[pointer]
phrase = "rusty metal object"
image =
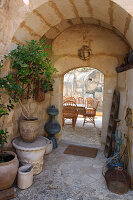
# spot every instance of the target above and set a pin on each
(118, 180)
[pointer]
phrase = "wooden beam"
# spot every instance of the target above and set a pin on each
(124, 67)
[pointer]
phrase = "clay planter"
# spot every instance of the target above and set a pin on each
(31, 153)
(8, 170)
(29, 129)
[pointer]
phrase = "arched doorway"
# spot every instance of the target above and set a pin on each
(100, 27)
(65, 49)
(84, 84)
(109, 27)
(105, 56)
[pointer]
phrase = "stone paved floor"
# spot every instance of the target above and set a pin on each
(68, 177)
(88, 134)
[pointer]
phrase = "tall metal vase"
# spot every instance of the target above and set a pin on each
(52, 127)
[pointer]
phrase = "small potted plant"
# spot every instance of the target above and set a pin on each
(33, 72)
(8, 163)
(8, 159)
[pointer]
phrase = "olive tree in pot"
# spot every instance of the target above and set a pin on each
(32, 68)
(8, 159)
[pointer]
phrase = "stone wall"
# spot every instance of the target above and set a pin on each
(37, 109)
(105, 56)
(20, 21)
(126, 100)
(56, 19)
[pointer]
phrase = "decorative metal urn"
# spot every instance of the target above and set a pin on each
(52, 127)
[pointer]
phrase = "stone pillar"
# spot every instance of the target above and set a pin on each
(57, 100)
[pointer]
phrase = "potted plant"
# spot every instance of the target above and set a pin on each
(8, 159)
(8, 163)
(33, 72)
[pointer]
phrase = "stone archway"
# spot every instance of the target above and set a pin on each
(52, 18)
(105, 57)
(20, 16)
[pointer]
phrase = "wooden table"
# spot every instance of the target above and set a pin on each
(82, 109)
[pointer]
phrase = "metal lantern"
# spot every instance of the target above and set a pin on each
(84, 52)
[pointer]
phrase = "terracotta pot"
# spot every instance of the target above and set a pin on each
(8, 171)
(29, 129)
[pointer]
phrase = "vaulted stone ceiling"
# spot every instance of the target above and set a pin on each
(54, 16)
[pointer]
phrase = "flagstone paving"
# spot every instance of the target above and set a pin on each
(68, 177)
(88, 134)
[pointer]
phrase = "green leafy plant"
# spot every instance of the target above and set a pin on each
(7, 86)
(4, 110)
(32, 63)
(3, 140)
(3, 137)
(31, 69)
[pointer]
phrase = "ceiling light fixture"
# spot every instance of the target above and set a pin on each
(84, 52)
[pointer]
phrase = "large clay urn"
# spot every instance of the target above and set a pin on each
(8, 170)
(29, 129)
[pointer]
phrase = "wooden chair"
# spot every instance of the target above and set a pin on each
(89, 102)
(71, 99)
(80, 100)
(90, 113)
(70, 111)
